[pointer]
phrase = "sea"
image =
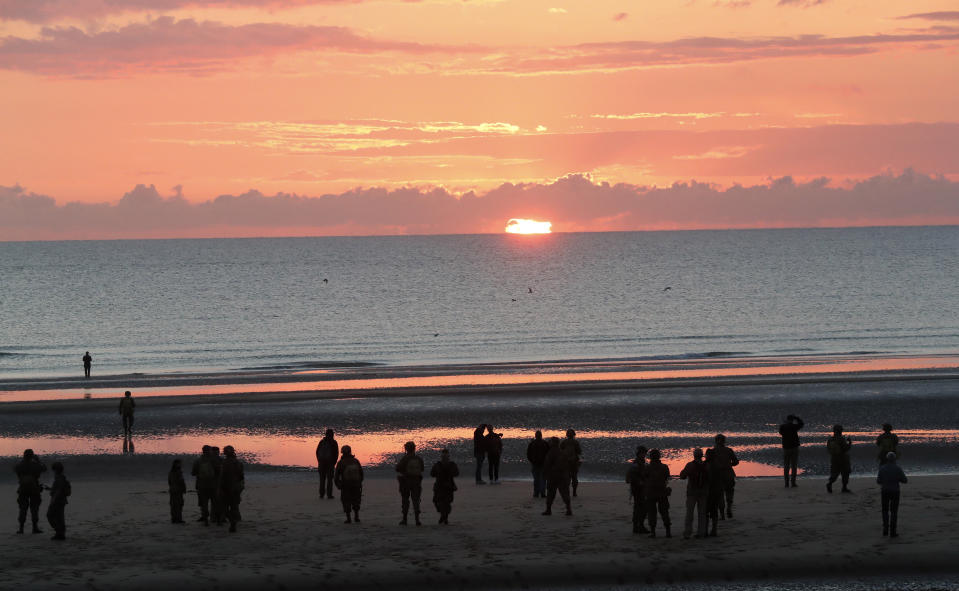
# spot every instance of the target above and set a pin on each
(165, 306)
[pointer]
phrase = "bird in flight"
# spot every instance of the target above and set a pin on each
(530, 289)
(667, 288)
(325, 280)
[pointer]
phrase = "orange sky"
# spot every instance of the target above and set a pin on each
(221, 97)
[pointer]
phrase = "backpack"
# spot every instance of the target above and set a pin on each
(351, 472)
(414, 467)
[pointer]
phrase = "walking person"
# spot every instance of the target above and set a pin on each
(887, 442)
(479, 451)
(574, 454)
(232, 483)
(125, 410)
(725, 459)
(177, 487)
(657, 493)
(348, 478)
(87, 363)
(327, 452)
(556, 469)
(536, 454)
(714, 495)
(889, 478)
(206, 481)
(29, 489)
(696, 476)
(838, 447)
(790, 435)
(494, 450)
(59, 491)
(409, 473)
(444, 487)
(636, 477)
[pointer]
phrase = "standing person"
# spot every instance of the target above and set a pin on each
(87, 362)
(217, 514)
(556, 470)
(59, 492)
(890, 475)
(697, 493)
(790, 434)
(206, 481)
(125, 410)
(409, 473)
(636, 477)
(444, 472)
(479, 451)
(725, 459)
(574, 455)
(494, 450)
(348, 477)
(536, 454)
(327, 451)
(657, 493)
(232, 484)
(29, 496)
(838, 447)
(887, 442)
(177, 490)
(714, 496)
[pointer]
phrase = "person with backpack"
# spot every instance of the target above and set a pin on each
(657, 491)
(887, 442)
(889, 478)
(479, 451)
(697, 492)
(574, 454)
(177, 488)
(327, 451)
(714, 495)
(348, 478)
(494, 450)
(206, 480)
(59, 492)
(444, 472)
(838, 447)
(409, 473)
(790, 435)
(636, 477)
(536, 454)
(556, 469)
(29, 489)
(725, 459)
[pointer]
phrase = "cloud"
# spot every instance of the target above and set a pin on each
(662, 116)
(574, 202)
(620, 16)
(557, 11)
(803, 3)
(945, 15)
(44, 11)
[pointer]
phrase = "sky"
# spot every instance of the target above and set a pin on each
(175, 118)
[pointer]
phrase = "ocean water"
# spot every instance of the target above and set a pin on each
(227, 304)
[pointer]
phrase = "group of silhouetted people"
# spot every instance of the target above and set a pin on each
(219, 484)
(29, 494)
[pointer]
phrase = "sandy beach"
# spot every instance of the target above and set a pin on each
(119, 531)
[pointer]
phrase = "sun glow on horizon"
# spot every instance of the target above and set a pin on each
(523, 226)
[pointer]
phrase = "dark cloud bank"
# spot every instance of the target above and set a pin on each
(572, 203)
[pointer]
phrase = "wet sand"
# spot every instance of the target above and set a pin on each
(119, 537)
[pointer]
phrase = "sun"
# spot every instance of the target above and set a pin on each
(522, 226)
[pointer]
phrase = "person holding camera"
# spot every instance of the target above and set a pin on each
(790, 434)
(839, 463)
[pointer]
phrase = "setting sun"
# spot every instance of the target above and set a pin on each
(521, 226)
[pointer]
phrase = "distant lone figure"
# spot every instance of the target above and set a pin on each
(536, 454)
(444, 487)
(890, 475)
(125, 409)
(724, 459)
(479, 451)
(657, 493)
(232, 484)
(29, 496)
(574, 455)
(177, 490)
(87, 362)
(790, 434)
(59, 492)
(327, 452)
(556, 469)
(838, 447)
(887, 442)
(348, 477)
(409, 474)
(494, 450)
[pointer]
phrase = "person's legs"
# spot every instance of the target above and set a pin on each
(651, 515)
(550, 496)
(574, 479)
(834, 471)
(404, 499)
(479, 468)
(688, 524)
(701, 525)
(564, 492)
(664, 513)
(416, 492)
(885, 512)
(894, 513)
(537, 480)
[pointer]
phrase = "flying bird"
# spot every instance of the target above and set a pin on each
(667, 288)
(530, 289)
(325, 280)
(512, 299)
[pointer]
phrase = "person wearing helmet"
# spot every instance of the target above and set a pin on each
(838, 447)
(348, 477)
(657, 493)
(444, 487)
(409, 474)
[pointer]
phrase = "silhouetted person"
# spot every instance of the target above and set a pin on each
(838, 447)
(59, 491)
(556, 469)
(725, 459)
(87, 363)
(574, 454)
(890, 475)
(636, 477)
(790, 434)
(29, 489)
(206, 480)
(125, 409)
(327, 452)
(177, 490)
(696, 476)
(409, 473)
(479, 451)
(232, 484)
(714, 496)
(887, 442)
(536, 454)
(217, 513)
(657, 493)
(494, 450)
(348, 477)
(444, 472)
